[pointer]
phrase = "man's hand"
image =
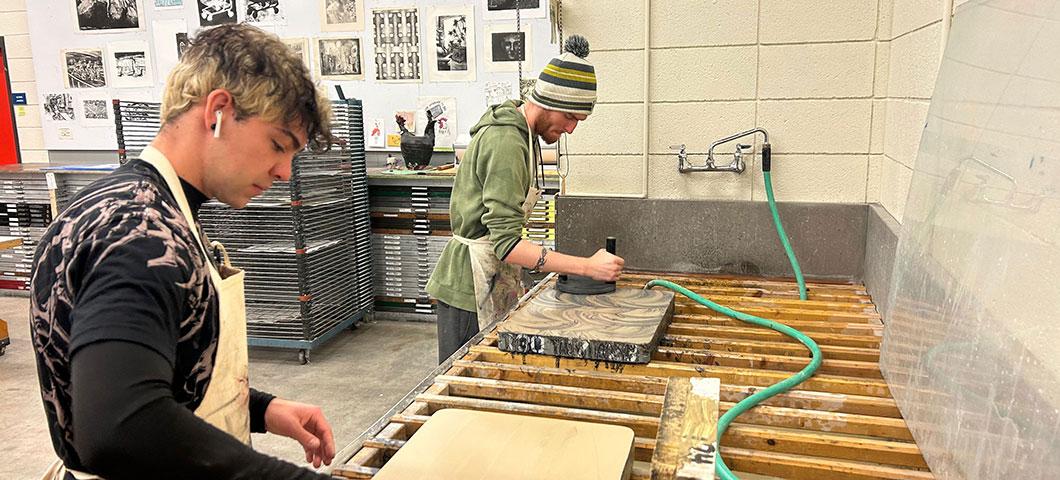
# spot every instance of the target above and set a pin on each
(304, 423)
(604, 266)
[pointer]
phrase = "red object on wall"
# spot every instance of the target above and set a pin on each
(9, 153)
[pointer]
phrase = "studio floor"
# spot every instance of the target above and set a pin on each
(355, 378)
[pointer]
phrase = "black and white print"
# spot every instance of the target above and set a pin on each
(507, 47)
(108, 15)
(183, 42)
(497, 92)
(505, 9)
(58, 107)
(167, 50)
(96, 109)
(300, 46)
(216, 12)
(92, 109)
(451, 57)
(397, 44)
(130, 64)
(341, 15)
(84, 69)
(340, 58)
(264, 12)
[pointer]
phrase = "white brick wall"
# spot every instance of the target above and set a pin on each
(15, 30)
(843, 87)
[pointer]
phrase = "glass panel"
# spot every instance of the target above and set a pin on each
(972, 346)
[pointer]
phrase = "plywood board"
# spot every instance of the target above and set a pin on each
(687, 445)
(624, 326)
(457, 444)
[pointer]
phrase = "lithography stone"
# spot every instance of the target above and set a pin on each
(623, 327)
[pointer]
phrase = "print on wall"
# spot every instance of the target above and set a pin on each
(505, 9)
(129, 64)
(507, 47)
(84, 69)
(216, 12)
(167, 51)
(375, 133)
(93, 109)
(105, 16)
(58, 107)
(340, 58)
(498, 92)
(451, 56)
(300, 46)
(341, 15)
(397, 44)
(264, 12)
(445, 126)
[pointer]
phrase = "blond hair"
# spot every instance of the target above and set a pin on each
(265, 77)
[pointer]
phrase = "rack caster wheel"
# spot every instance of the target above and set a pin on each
(303, 356)
(3, 350)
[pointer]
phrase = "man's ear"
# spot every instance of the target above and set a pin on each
(219, 100)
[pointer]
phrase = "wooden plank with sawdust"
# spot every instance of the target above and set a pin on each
(686, 447)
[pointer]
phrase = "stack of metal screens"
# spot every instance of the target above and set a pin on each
(25, 213)
(353, 115)
(137, 123)
(410, 226)
(403, 265)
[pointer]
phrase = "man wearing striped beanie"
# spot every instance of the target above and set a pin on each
(477, 278)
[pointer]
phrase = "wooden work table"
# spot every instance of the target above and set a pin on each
(841, 423)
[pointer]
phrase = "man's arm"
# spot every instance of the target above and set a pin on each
(127, 423)
(601, 266)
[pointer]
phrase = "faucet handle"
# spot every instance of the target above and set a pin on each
(680, 147)
(741, 147)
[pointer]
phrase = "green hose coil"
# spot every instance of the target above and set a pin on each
(779, 387)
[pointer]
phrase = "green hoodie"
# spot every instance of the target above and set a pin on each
(488, 195)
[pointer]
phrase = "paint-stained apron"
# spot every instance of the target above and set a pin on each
(498, 285)
(225, 404)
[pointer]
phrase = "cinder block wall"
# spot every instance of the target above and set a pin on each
(842, 86)
(15, 30)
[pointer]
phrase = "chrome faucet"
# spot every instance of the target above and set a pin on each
(736, 166)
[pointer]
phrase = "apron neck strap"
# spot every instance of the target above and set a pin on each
(157, 159)
(533, 148)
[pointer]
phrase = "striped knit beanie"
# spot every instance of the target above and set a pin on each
(568, 82)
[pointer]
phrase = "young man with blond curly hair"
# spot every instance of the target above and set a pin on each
(140, 333)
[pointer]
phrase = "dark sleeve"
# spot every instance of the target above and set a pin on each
(127, 424)
(259, 402)
(134, 288)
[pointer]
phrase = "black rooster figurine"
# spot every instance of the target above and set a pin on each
(417, 150)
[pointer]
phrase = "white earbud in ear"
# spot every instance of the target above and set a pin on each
(217, 126)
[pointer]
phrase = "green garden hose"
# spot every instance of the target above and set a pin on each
(815, 351)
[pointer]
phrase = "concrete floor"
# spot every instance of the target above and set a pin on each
(355, 378)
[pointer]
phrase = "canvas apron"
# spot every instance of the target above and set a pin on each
(498, 285)
(226, 402)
